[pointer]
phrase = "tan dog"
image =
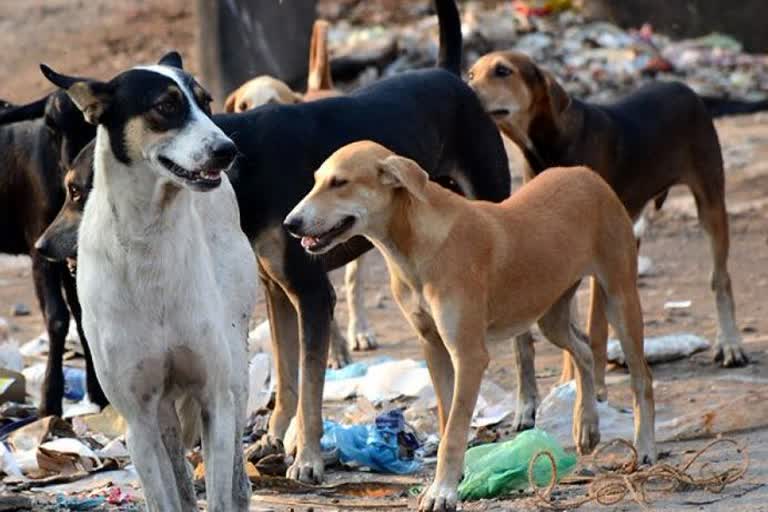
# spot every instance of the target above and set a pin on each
(462, 270)
(660, 136)
(266, 89)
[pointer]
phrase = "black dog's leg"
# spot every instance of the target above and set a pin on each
(315, 300)
(95, 393)
(47, 277)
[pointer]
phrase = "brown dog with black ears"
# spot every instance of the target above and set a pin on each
(463, 270)
(658, 137)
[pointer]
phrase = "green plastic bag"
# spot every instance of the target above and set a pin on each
(494, 469)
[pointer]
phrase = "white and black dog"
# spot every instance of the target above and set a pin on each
(167, 279)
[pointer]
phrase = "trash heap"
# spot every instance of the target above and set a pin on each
(595, 60)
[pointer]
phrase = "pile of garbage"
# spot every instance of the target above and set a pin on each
(595, 61)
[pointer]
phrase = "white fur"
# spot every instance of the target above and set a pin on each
(167, 282)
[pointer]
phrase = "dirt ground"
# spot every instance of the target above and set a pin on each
(101, 37)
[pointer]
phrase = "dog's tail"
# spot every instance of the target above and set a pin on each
(14, 114)
(319, 75)
(449, 21)
(719, 107)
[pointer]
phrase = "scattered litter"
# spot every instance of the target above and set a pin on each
(677, 304)
(77, 503)
(259, 382)
(38, 346)
(8, 463)
(82, 408)
(385, 446)
(382, 382)
(20, 309)
(10, 356)
(659, 349)
(632, 481)
(74, 383)
(644, 266)
(354, 370)
(108, 422)
(12, 386)
(5, 331)
(492, 470)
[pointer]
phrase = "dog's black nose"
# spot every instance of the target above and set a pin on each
(293, 225)
(43, 248)
(224, 152)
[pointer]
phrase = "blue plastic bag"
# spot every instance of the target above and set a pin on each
(374, 446)
(74, 383)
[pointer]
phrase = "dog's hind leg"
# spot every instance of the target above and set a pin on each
(359, 334)
(556, 325)
(527, 391)
(710, 203)
(95, 393)
(285, 349)
(47, 277)
(625, 315)
(597, 329)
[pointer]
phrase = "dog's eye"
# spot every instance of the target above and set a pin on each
(75, 193)
(501, 70)
(167, 107)
(471, 75)
(337, 182)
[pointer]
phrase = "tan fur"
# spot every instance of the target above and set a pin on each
(259, 91)
(463, 270)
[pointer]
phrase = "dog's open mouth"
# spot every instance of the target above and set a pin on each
(498, 112)
(320, 242)
(206, 176)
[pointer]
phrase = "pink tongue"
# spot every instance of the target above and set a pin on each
(308, 242)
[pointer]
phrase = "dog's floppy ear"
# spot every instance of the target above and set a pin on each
(398, 171)
(90, 96)
(559, 100)
(172, 59)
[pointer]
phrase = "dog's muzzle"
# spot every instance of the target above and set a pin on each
(208, 176)
(313, 242)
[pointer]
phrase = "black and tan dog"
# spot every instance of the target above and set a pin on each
(656, 138)
(462, 271)
(37, 143)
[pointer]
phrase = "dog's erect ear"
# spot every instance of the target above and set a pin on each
(559, 100)
(172, 59)
(229, 105)
(90, 96)
(398, 171)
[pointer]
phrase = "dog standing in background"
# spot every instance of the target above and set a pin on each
(265, 89)
(167, 279)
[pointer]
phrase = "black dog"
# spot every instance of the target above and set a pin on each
(37, 142)
(430, 116)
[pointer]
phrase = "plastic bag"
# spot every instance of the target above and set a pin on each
(500, 468)
(377, 446)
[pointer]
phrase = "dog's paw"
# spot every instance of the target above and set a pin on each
(362, 340)
(586, 432)
(602, 392)
(646, 455)
(525, 418)
(730, 354)
(438, 498)
(267, 445)
(307, 468)
(339, 357)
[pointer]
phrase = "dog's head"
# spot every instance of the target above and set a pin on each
(353, 195)
(157, 116)
(59, 241)
(515, 91)
(259, 91)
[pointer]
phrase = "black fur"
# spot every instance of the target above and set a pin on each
(37, 142)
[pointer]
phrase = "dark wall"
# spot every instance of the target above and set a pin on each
(240, 39)
(746, 20)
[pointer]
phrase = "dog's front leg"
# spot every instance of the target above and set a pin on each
(283, 322)
(466, 346)
(47, 277)
(219, 429)
(527, 391)
(315, 305)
